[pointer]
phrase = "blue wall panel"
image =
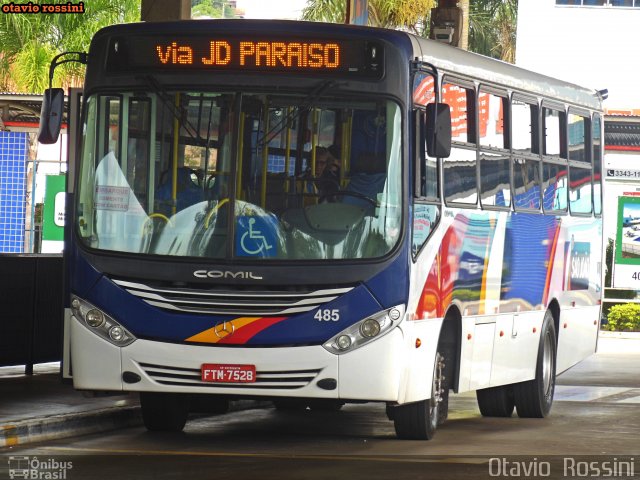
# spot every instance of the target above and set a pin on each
(14, 150)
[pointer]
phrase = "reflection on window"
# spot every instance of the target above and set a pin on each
(577, 137)
(597, 164)
(495, 187)
(491, 109)
(462, 104)
(425, 218)
(524, 120)
(580, 190)
(551, 125)
(423, 94)
(423, 89)
(460, 177)
(526, 181)
(321, 181)
(554, 184)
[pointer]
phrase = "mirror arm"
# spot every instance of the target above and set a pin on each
(82, 58)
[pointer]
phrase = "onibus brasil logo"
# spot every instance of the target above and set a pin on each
(37, 469)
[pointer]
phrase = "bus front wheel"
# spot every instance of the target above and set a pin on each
(164, 412)
(419, 420)
(534, 398)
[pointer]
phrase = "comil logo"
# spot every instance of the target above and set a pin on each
(225, 274)
(35, 468)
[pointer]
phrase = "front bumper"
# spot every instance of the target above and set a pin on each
(372, 372)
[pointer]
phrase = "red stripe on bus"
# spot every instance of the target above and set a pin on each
(246, 333)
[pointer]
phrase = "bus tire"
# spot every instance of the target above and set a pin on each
(164, 412)
(496, 401)
(534, 398)
(419, 420)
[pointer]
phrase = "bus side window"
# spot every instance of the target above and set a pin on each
(460, 173)
(596, 139)
(580, 174)
(495, 180)
(555, 179)
(423, 95)
(425, 215)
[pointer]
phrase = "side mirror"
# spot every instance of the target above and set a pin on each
(51, 115)
(438, 125)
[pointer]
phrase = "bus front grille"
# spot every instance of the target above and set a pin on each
(265, 380)
(227, 301)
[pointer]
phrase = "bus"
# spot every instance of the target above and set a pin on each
(458, 248)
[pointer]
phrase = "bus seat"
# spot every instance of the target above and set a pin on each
(188, 193)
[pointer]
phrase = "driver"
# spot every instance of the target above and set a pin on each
(327, 170)
(326, 177)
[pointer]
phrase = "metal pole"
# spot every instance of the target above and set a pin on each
(34, 172)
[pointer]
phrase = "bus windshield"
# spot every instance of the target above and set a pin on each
(240, 174)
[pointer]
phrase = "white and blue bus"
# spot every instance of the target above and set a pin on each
(320, 214)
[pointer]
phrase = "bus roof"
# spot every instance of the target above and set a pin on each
(468, 64)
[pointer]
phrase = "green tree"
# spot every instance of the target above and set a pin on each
(212, 9)
(492, 28)
(28, 42)
(490, 25)
(409, 14)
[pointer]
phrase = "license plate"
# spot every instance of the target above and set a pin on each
(222, 373)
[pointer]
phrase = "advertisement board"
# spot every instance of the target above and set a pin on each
(627, 253)
(53, 217)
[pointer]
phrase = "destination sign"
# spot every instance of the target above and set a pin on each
(353, 57)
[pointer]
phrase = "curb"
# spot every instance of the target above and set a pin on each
(68, 425)
(57, 427)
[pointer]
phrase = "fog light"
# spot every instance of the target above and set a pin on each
(343, 342)
(370, 328)
(94, 318)
(117, 333)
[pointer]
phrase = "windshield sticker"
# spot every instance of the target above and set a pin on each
(255, 237)
(112, 198)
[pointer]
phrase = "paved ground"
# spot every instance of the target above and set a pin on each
(41, 407)
(596, 418)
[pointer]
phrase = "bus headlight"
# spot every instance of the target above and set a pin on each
(365, 330)
(100, 323)
(94, 318)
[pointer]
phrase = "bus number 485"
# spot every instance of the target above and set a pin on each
(327, 315)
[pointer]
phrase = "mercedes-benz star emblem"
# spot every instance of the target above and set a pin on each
(224, 329)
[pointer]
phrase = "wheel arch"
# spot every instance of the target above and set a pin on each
(554, 308)
(450, 337)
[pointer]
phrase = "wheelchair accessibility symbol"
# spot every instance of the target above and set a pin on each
(255, 237)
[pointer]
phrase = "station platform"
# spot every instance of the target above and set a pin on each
(39, 407)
